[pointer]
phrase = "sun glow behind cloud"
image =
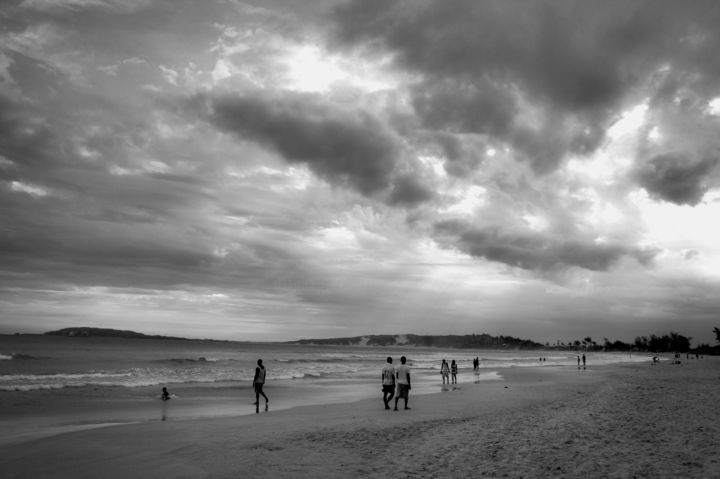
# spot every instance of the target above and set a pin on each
(313, 69)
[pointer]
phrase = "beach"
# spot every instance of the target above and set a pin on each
(616, 420)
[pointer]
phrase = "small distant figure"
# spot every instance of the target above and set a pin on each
(578, 362)
(583, 360)
(403, 382)
(476, 363)
(165, 396)
(656, 359)
(388, 382)
(258, 382)
(453, 371)
(445, 372)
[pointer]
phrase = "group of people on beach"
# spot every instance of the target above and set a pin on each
(395, 380)
(448, 373)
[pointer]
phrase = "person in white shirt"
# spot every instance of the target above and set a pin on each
(388, 382)
(445, 372)
(403, 382)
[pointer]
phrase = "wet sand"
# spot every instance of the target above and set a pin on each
(634, 420)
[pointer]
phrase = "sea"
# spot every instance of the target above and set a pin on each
(51, 384)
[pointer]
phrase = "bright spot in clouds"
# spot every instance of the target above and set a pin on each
(30, 189)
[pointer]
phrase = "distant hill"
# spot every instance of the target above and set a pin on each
(104, 333)
(469, 341)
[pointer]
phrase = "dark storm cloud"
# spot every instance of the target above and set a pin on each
(573, 62)
(348, 147)
(25, 139)
(480, 106)
(676, 178)
(464, 153)
(408, 191)
(533, 251)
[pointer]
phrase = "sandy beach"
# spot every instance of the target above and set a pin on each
(632, 420)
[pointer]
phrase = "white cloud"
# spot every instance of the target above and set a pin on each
(714, 106)
(29, 188)
(467, 200)
(170, 75)
(630, 122)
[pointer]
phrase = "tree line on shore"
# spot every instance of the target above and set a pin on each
(672, 342)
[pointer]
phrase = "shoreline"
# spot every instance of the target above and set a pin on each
(624, 420)
(39, 414)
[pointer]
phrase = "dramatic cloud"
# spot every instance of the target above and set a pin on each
(544, 77)
(675, 178)
(274, 170)
(535, 252)
(348, 147)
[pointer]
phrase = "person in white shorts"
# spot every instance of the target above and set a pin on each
(403, 382)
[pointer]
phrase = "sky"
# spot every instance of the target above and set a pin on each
(274, 170)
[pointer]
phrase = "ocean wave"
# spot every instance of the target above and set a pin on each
(31, 387)
(298, 375)
(201, 359)
(331, 360)
(8, 357)
(63, 376)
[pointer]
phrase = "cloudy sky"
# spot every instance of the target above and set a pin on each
(277, 169)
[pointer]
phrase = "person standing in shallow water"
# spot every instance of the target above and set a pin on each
(258, 382)
(403, 382)
(453, 371)
(388, 382)
(445, 372)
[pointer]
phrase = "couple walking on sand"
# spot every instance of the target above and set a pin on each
(392, 378)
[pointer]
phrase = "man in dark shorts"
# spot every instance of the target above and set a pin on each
(388, 382)
(258, 382)
(403, 382)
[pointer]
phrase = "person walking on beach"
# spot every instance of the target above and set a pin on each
(258, 382)
(403, 382)
(583, 360)
(453, 371)
(388, 382)
(578, 362)
(165, 396)
(445, 372)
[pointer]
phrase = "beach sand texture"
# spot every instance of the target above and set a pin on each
(616, 421)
